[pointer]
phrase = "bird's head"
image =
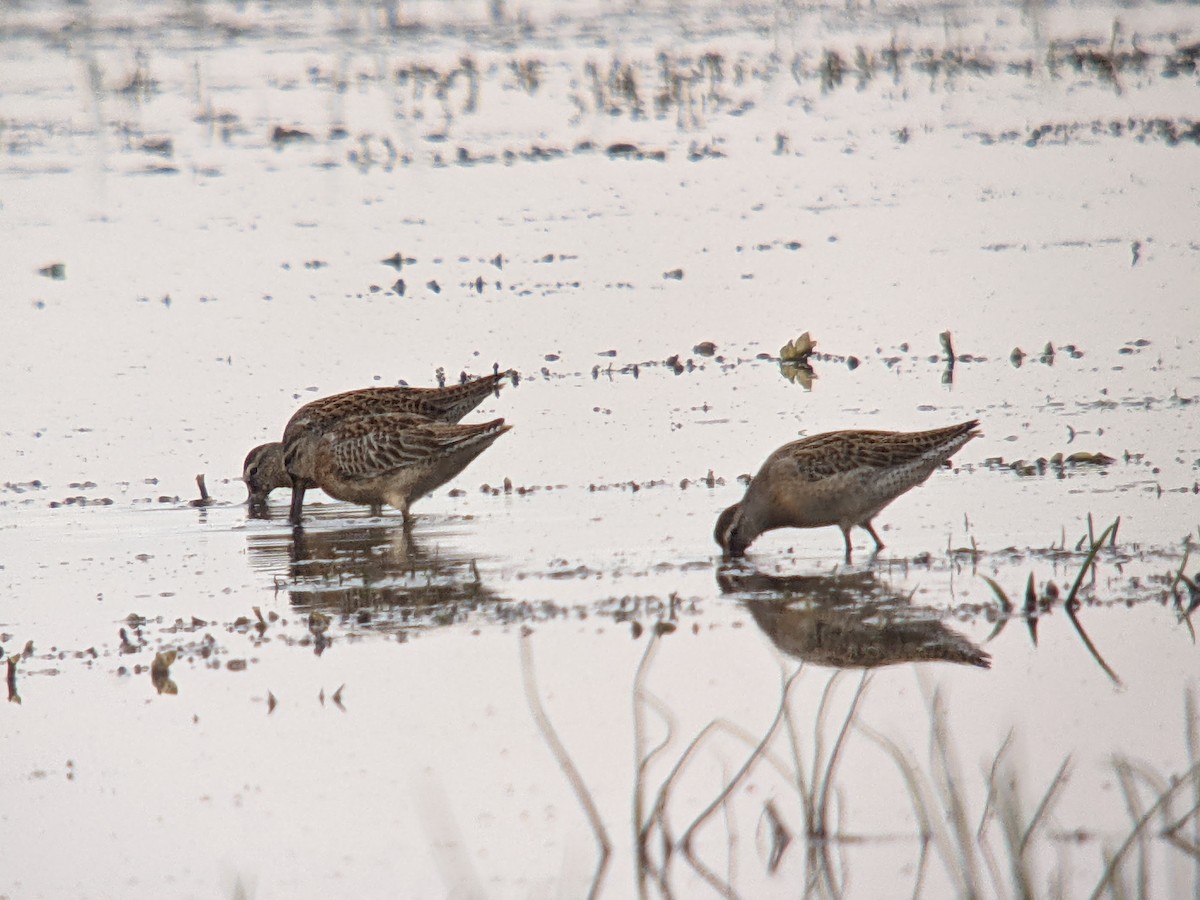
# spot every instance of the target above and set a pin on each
(728, 532)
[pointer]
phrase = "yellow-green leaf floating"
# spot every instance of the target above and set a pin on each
(799, 349)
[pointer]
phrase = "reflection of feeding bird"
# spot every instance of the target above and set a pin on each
(376, 573)
(863, 636)
(392, 458)
(842, 478)
(847, 621)
(264, 468)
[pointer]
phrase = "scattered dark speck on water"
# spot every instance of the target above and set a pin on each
(282, 136)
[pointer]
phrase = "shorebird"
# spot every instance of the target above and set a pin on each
(263, 471)
(842, 478)
(264, 468)
(393, 458)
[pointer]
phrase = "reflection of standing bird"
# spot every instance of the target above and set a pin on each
(842, 478)
(264, 468)
(394, 458)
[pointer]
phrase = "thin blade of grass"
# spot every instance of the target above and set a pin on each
(827, 777)
(965, 864)
(1047, 803)
(563, 758)
(1106, 881)
(1005, 606)
(1087, 642)
(685, 841)
(1070, 603)
(1090, 558)
(991, 782)
(930, 829)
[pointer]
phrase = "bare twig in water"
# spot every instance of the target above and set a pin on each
(822, 811)
(801, 781)
(13, 695)
(448, 849)
(998, 805)
(930, 828)
(1192, 739)
(731, 837)
(992, 792)
(685, 841)
(204, 500)
(946, 776)
(658, 815)
(1056, 784)
(568, 767)
(643, 759)
(1126, 772)
(1113, 861)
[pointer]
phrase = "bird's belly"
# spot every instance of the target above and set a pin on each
(850, 498)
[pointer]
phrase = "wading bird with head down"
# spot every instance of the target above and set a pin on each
(841, 478)
(290, 463)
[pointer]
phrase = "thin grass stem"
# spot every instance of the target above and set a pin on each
(563, 758)
(1114, 859)
(1047, 803)
(685, 841)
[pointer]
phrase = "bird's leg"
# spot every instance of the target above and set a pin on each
(871, 531)
(377, 509)
(846, 535)
(299, 547)
(297, 501)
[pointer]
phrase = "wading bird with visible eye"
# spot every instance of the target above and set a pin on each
(265, 469)
(841, 478)
(390, 458)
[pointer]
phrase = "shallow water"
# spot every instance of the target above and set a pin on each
(585, 194)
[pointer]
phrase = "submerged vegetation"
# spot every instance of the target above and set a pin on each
(972, 834)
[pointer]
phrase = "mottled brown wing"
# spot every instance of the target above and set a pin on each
(319, 415)
(827, 455)
(455, 401)
(371, 446)
(447, 404)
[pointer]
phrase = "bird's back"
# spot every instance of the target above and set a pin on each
(847, 477)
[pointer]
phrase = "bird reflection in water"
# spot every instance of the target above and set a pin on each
(847, 620)
(379, 575)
